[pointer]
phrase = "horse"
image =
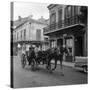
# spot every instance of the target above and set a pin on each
(47, 56)
(35, 58)
(56, 54)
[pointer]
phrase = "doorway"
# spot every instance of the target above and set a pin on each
(79, 46)
(59, 42)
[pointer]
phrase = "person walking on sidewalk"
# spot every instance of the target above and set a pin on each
(63, 50)
(61, 59)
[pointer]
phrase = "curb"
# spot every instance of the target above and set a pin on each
(66, 64)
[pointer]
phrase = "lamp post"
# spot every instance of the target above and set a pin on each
(29, 29)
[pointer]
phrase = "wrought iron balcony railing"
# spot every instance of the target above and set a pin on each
(63, 23)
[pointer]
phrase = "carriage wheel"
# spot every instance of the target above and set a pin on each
(23, 64)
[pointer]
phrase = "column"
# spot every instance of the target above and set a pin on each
(85, 44)
(73, 49)
(64, 57)
(56, 41)
(49, 43)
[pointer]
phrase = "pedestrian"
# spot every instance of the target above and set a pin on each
(23, 50)
(36, 55)
(61, 59)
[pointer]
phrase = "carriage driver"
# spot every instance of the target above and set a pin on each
(23, 49)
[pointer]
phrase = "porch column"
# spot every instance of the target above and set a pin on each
(49, 43)
(73, 49)
(85, 45)
(56, 41)
(64, 57)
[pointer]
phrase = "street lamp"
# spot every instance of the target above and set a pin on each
(29, 30)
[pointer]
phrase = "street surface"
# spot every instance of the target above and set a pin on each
(28, 78)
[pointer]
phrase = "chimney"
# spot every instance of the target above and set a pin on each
(30, 16)
(19, 18)
(42, 17)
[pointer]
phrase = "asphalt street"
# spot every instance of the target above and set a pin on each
(42, 77)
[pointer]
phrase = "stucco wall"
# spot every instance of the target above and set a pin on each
(30, 31)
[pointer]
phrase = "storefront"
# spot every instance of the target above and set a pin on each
(69, 43)
(73, 40)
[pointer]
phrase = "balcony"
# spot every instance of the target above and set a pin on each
(66, 23)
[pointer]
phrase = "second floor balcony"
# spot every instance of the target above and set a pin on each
(62, 24)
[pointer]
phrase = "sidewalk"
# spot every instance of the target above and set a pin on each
(69, 64)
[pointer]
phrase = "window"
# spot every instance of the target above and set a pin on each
(71, 11)
(24, 34)
(21, 34)
(75, 10)
(17, 36)
(60, 15)
(68, 11)
(38, 34)
(45, 38)
(69, 44)
(53, 18)
(53, 44)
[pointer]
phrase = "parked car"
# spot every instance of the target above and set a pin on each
(81, 63)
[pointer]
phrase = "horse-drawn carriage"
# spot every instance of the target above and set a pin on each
(45, 57)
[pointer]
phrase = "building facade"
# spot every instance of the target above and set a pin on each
(66, 27)
(29, 31)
